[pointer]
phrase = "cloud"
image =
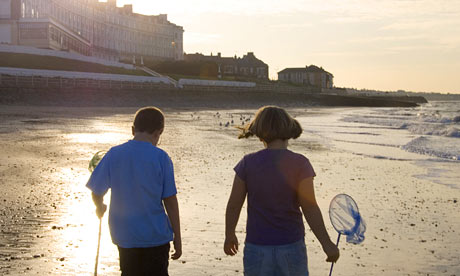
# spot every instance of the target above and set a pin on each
(389, 38)
(350, 19)
(291, 25)
(333, 11)
(423, 23)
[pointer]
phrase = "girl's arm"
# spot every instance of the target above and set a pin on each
(232, 214)
(314, 218)
(172, 208)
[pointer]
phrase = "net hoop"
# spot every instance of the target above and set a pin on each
(97, 157)
(344, 214)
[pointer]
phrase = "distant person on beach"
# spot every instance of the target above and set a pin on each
(141, 178)
(278, 184)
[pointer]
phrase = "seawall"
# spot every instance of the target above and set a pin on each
(183, 98)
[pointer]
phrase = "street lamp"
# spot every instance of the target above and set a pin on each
(173, 44)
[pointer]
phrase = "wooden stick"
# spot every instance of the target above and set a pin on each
(98, 247)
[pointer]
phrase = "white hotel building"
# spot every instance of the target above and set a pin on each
(90, 28)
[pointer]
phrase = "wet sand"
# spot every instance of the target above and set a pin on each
(48, 225)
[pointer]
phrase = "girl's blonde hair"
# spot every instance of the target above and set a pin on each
(272, 123)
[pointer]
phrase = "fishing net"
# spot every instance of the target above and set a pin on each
(95, 160)
(345, 218)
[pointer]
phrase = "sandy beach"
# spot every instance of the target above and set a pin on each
(48, 225)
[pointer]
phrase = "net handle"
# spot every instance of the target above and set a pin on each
(332, 264)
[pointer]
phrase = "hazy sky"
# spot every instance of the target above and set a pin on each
(377, 44)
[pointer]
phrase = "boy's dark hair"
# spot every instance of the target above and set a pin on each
(272, 123)
(149, 119)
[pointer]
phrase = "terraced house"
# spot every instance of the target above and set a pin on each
(90, 28)
(310, 76)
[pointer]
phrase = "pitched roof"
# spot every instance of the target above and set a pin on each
(292, 70)
(311, 68)
(251, 60)
(248, 60)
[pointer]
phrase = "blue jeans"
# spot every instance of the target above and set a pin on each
(280, 260)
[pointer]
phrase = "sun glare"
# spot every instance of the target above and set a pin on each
(98, 138)
(79, 229)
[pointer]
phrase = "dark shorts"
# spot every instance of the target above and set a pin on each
(144, 261)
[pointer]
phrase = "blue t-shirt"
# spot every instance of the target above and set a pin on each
(272, 178)
(140, 176)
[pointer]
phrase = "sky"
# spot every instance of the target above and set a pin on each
(390, 45)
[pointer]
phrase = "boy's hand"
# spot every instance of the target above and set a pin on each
(100, 210)
(332, 252)
(231, 245)
(177, 248)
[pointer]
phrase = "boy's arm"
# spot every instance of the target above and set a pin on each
(100, 206)
(232, 214)
(314, 219)
(172, 208)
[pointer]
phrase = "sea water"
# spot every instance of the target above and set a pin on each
(428, 135)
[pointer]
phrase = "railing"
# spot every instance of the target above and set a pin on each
(216, 83)
(82, 81)
(60, 82)
(156, 74)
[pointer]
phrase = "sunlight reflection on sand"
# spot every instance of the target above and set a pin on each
(78, 238)
(98, 138)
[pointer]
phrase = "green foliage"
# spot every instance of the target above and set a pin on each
(206, 70)
(29, 61)
(249, 79)
(196, 69)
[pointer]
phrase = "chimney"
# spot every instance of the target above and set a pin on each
(218, 55)
(15, 9)
(112, 3)
(163, 18)
(128, 9)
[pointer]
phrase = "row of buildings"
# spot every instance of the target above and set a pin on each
(90, 28)
(250, 66)
(104, 30)
(247, 66)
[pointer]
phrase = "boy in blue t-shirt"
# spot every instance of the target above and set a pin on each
(141, 178)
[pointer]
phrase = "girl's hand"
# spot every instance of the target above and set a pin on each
(231, 245)
(332, 252)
